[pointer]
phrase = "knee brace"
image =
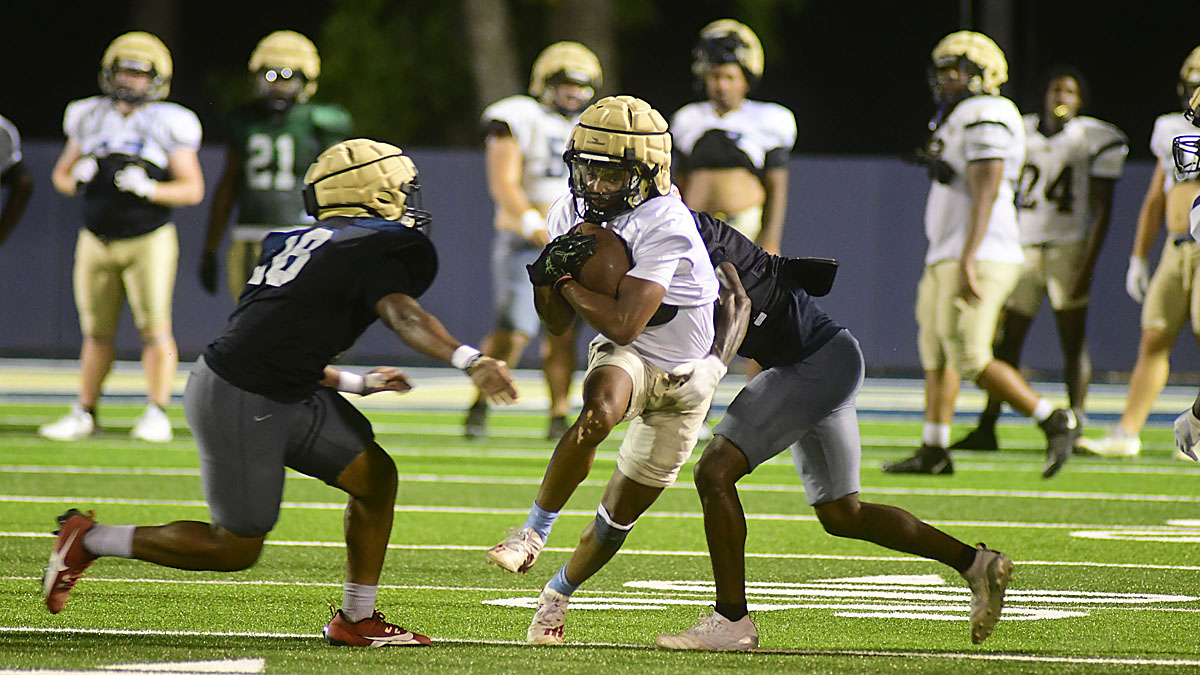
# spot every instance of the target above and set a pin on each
(609, 534)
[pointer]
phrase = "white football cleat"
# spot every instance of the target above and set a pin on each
(550, 619)
(518, 552)
(73, 426)
(988, 578)
(714, 633)
(1118, 443)
(153, 426)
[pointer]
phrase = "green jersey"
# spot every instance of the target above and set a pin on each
(276, 150)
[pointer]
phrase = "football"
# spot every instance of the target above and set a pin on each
(610, 261)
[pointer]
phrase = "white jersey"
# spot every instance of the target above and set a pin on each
(756, 135)
(542, 136)
(1053, 192)
(153, 131)
(667, 250)
(10, 145)
(979, 127)
(1166, 128)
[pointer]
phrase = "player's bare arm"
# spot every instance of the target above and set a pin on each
(775, 185)
(20, 189)
(621, 318)
(983, 182)
(224, 197)
(557, 314)
(1100, 197)
(423, 332)
(1150, 218)
(731, 315)
(61, 175)
(186, 186)
(504, 170)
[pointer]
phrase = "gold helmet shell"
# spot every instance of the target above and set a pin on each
(137, 50)
(361, 177)
(1189, 74)
(981, 51)
(574, 61)
(287, 49)
(623, 131)
(728, 41)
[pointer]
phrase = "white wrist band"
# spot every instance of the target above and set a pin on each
(464, 357)
(531, 221)
(351, 383)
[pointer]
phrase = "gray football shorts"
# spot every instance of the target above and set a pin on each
(513, 294)
(246, 440)
(809, 406)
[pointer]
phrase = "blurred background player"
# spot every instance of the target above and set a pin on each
(1187, 160)
(273, 139)
(526, 138)
(263, 396)
(1169, 299)
(731, 153)
(1064, 204)
(661, 319)
(133, 156)
(975, 153)
(14, 178)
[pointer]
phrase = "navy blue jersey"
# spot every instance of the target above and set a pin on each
(312, 295)
(786, 325)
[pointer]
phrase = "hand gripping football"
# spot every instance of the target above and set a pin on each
(603, 271)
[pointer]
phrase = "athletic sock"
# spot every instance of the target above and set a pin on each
(734, 611)
(112, 540)
(1042, 410)
(541, 520)
(936, 435)
(358, 601)
(965, 559)
(560, 584)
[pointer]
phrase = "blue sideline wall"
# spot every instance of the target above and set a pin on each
(867, 212)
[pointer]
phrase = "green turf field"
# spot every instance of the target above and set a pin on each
(1107, 576)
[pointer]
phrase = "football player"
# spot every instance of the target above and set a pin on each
(1169, 298)
(526, 136)
(619, 157)
(975, 153)
(14, 177)
(731, 153)
(273, 139)
(133, 157)
(1064, 203)
(805, 400)
(263, 396)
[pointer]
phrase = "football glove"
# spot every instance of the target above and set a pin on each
(134, 180)
(84, 170)
(697, 380)
(1187, 433)
(564, 255)
(1137, 279)
(208, 272)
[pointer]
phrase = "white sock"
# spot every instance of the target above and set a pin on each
(113, 540)
(1042, 410)
(358, 601)
(937, 435)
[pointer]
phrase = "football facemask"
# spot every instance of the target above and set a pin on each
(136, 52)
(605, 187)
(1186, 152)
(279, 88)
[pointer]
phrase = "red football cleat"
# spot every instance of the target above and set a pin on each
(68, 559)
(372, 632)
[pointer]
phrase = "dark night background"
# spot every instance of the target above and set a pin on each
(853, 72)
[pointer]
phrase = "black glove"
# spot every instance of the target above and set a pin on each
(814, 275)
(565, 255)
(208, 272)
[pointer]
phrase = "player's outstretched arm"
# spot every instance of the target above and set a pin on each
(423, 332)
(621, 318)
(1100, 199)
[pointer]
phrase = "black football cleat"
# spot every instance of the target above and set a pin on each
(475, 425)
(1062, 430)
(928, 459)
(980, 438)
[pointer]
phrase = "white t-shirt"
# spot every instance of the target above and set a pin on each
(754, 128)
(1053, 192)
(10, 145)
(153, 131)
(667, 250)
(979, 127)
(1166, 128)
(542, 136)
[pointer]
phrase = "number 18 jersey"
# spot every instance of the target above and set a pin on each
(1053, 197)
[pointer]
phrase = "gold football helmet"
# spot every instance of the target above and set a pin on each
(728, 41)
(138, 51)
(621, 144)
(568, 61)
(1189, 76)
(362, 177)
(288, 53)
(987, 67)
